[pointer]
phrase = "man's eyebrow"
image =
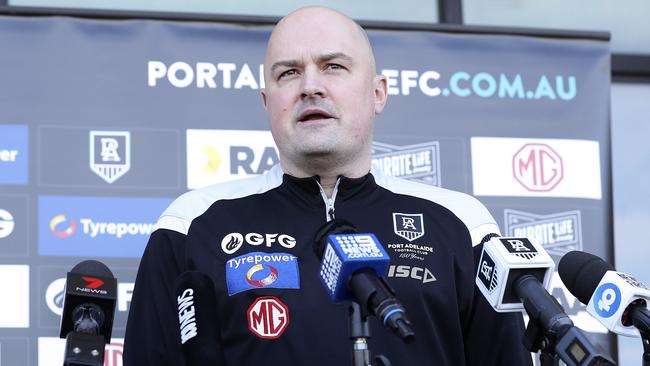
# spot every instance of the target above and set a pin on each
(335, 55)
(286, 63)
(323, 58)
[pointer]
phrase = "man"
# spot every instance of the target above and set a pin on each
(254, 237)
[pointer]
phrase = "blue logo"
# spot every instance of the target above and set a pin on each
(607, 299)
(14, 154)
(262, 270)
(96, 226)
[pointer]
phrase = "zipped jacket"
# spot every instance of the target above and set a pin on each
(254, 239)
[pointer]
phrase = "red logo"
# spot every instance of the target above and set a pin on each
(537, 167)
(268, 317)
(113, 354)
(93, 282)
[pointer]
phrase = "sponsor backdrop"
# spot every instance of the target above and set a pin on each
(103, 123)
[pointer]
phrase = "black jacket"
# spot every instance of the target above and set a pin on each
(434, 237)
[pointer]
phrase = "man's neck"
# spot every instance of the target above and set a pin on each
(327, 175)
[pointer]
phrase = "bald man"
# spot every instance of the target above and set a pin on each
(253, 238)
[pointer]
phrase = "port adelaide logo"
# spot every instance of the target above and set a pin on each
(110, 154)
(419, 162)
(410, 227)
(559, 233)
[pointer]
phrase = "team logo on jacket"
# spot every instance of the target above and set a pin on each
(233, 241)
(262, 270)
(268, 317)
(110, 154)
(408, 226)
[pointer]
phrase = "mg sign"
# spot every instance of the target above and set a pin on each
(268, 317)
(537, 167)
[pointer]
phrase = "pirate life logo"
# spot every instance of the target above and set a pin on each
(418, 162)
(411, 228)
(559, 233)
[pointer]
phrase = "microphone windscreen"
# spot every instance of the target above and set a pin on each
(581, 273)
(332, 227)
(92, 268)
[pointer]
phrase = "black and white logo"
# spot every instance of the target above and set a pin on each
(110, 154)
(558, 233)
(232, 242)
(54, 296)
(419, 162)
(487, 272)
(7, 223)
(633, 281)
(418, 273)
(521, 247)
(408, 226)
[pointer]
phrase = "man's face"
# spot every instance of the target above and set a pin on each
(321, 88)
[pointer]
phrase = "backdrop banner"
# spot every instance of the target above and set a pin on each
(104, 122)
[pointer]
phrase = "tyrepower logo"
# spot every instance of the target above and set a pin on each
(419, 162)
(14, 307)
(215, 156)
(536, 167)
(559, 233)
(51, 351)
(268, 317)
(96, 226)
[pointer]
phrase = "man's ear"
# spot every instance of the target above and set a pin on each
(265, 100)
(381, 93)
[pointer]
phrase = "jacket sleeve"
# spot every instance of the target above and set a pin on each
(493, 338)
(152, 330)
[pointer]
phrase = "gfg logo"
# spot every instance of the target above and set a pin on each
(233, 241)
(607, 299)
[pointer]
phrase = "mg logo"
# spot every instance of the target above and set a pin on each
(6, 223)
(268, 317)
(537, 167)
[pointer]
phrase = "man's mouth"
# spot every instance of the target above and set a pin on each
(313, 115)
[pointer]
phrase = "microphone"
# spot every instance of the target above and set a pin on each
(88, 311)
(353, 266)
(514, 274)
(197, 305)
(617, 300)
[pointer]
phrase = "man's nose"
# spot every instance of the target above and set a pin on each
(312, 84)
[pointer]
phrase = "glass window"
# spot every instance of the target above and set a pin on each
(631, 179)
(420, 11)
(628, 21)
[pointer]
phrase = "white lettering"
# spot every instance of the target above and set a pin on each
(8, 155)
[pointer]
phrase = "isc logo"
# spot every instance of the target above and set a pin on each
(268, 317)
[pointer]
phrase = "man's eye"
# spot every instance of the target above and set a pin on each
(287, 73)
(334, 66)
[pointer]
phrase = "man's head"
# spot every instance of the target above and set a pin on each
(322, 92)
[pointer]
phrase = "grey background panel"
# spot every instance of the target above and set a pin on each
(64, 158)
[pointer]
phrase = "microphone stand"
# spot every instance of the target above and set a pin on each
(359, 334)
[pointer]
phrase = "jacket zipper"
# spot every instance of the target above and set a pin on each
(329, 202)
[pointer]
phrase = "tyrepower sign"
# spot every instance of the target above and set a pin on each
(268, 317)
(536, 167)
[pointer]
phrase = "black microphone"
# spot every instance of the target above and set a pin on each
(88, 312)
(616, 299)
(352, 268)
(196, 301)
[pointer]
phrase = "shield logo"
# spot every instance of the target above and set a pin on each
(408, 226)
(110, 154)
